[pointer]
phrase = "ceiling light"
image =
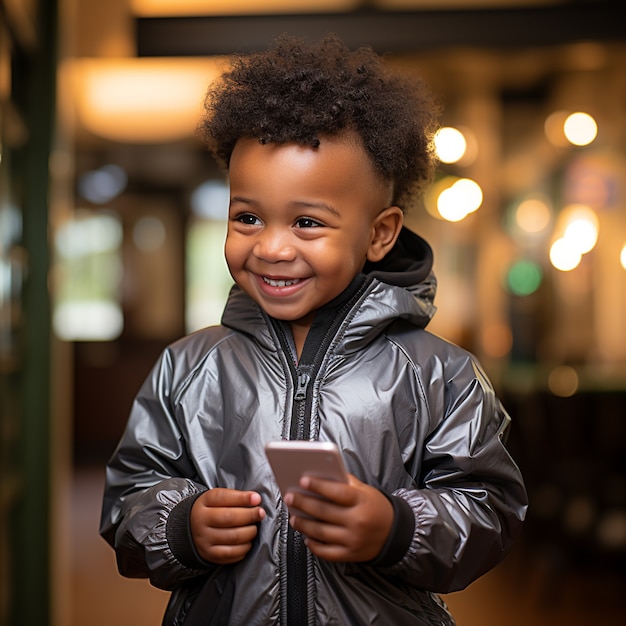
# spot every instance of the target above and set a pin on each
(142, 100)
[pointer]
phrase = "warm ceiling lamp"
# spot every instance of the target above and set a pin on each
(155, 8)
(142, 100)
(147, 8)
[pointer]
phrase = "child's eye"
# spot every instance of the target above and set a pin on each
(307, 222)
(248, 218)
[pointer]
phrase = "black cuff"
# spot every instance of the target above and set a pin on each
(400, 536)
(178, 534)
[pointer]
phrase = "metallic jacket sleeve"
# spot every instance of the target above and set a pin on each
(471, 499)
(144, 483)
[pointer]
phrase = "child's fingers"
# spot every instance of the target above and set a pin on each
(314, 507)
(240, 536)
(328, 551)
(343, 494)
(314, 529)
(225, 509)
(230, 497)
(330, 500)
(226, 555)
(231, 517)
(221, 553)
(224, 534)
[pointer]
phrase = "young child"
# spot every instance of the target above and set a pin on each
(322, 338)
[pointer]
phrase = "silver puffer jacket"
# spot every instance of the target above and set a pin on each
(414, 415)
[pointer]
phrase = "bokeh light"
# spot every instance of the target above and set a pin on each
(524, 277)
(210, 200)
(582, 233)
(149, 233)
(102, 185)
(532, 215)
(564, 128)
(563, 381)
(580, 128)
(553, 128)
(581, 226)
(457, 201)
(564, 256)
(577, 234)
(450, 144)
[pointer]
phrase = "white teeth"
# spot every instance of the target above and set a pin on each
(280, 283)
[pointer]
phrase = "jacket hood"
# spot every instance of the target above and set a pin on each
(409, 265)
(409, 262)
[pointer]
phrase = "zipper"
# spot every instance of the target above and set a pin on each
(295, 610)
(297, 554)
(299, 609)
(302, 383)
(301, 420)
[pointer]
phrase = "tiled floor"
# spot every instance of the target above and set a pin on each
(514, 594)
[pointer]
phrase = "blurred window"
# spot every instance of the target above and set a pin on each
(87, 278)
(208, 278)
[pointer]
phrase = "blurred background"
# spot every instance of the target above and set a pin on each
(112, 219)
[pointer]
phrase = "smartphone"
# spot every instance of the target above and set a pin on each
(290, 460)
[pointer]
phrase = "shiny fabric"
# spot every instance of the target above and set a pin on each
(414, 415)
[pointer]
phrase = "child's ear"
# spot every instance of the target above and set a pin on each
(385, 230)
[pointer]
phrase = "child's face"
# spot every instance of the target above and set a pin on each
(302, 222)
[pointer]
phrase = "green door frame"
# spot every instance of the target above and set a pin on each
(33, 92)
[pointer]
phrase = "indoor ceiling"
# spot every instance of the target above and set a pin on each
(190, 27)
(507, 47)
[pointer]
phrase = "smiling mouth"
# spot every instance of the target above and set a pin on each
(280, 283)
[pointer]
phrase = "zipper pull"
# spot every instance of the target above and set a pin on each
(302, 384)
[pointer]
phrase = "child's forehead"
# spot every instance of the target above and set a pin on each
(331, 147)
(344, 140)
(339, 164)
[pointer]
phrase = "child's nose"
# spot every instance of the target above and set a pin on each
(274, 245)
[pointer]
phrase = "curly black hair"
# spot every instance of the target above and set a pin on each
(297, 91)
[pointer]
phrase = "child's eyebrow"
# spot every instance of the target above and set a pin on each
(303, 204)
(298, 204)
(241, 199)
(250, 202)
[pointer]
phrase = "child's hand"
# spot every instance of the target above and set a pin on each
(223, 524)
(351, 524)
